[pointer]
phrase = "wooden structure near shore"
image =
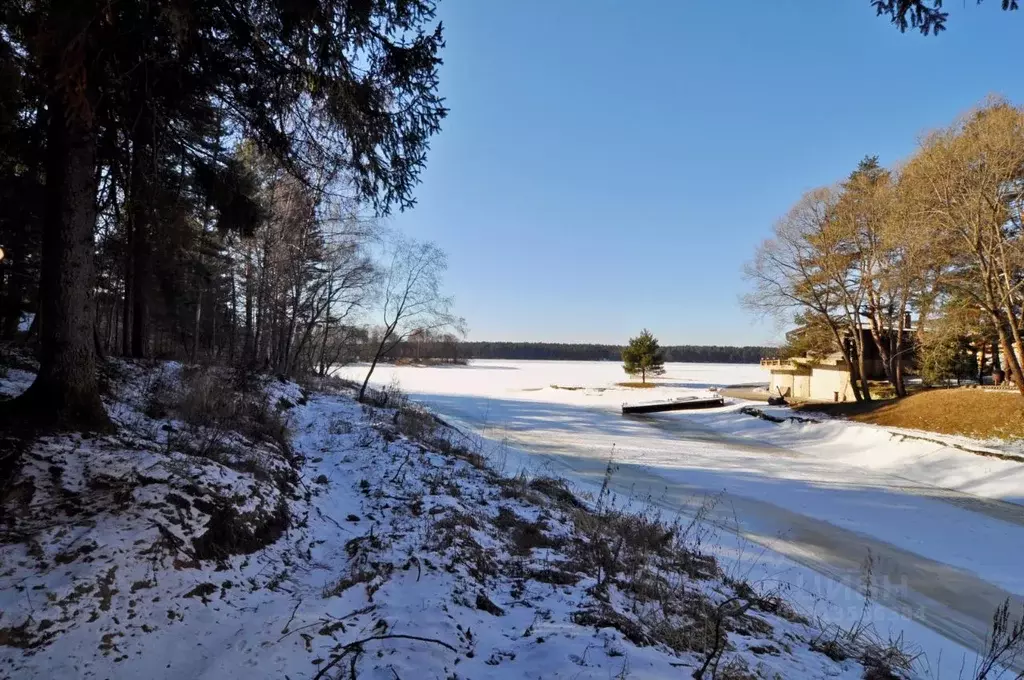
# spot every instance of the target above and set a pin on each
(680, 404)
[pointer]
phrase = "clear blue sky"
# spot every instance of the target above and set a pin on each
(610, 165)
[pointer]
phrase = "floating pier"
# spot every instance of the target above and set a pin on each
(679, 404)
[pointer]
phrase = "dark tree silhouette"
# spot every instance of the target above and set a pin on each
(925, 16)
(134, 102)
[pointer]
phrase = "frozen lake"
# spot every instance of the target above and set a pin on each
(801, 505)
(534, 379)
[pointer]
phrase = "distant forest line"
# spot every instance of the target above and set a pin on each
(716, 354)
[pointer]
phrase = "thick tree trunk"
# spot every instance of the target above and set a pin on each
(844, 350)
(865, 384)
(882, 345)
(884, 334)
(855, 384)
(998, 315)
(857, 340)
(1012, 362)
(65, 393)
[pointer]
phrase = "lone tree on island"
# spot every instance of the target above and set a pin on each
(643, 356)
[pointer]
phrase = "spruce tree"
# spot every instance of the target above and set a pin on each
(925, 16)
(134, 101)
(643, 356)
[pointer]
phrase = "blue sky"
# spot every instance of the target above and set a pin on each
(610, 165)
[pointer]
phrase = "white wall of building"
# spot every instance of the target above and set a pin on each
(823, 383)
(830, 384)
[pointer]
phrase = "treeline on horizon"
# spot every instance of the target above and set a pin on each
(717, 354)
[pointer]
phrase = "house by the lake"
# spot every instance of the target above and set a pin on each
(828, 378)
(804, 378)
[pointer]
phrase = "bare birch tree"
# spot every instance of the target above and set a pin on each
(411, 298)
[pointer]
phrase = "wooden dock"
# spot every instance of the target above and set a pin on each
(680, 404)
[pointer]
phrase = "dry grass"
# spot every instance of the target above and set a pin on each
(969, 412)
(639, 385)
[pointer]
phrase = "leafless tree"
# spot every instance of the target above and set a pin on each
(946, 229)
(303, 273)
(411, 298)
(967, 183)
(803, 269)
(887, 261)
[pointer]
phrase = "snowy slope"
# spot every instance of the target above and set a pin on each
(370, 543)
(943, 526)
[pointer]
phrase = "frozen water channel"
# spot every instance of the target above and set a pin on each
(943, 529)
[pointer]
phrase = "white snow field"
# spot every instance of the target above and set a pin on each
(356, 542)
(810, 504)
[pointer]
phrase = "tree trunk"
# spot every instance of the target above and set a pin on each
(998, 315)
(899, 349)
(259, 339)
(980, 354)
(327, 327)
(865, 384)
(882, 345)
(140, 219)
(15, 291)
(65, 393)
(1011, 359)
(195, 328)
(373, 365)
(126, 309)
(234, 315)
(883, 335)
(901, 390)
(845, 351)
(108, 335)
(855, 382)
(248, 348)
(1012, 363)
(857, 339)
(376, 357)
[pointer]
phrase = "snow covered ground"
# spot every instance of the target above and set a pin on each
(942, 528)
(363, 544)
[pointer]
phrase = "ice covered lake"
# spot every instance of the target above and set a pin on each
(804, 506)
(534, 379)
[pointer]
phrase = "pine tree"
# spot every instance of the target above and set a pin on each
(643, 356)
(134, 102)
(925, 16)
